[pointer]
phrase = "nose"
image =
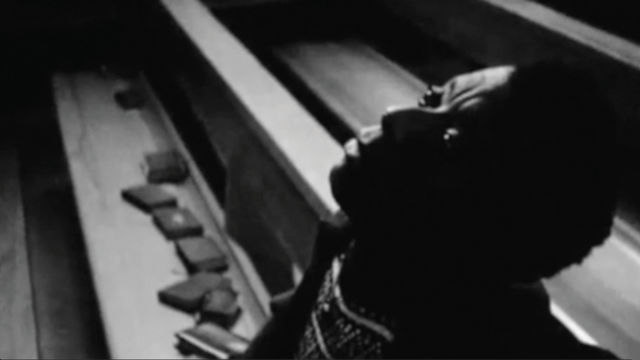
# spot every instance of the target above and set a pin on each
(364, 139)
(370, 134)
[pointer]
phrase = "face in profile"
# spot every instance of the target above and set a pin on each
(524, 158)
(385, 163)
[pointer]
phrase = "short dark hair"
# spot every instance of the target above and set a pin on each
(553, 182)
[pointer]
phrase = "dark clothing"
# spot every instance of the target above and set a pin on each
(318, 322)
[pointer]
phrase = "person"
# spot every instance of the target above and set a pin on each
(456, 211)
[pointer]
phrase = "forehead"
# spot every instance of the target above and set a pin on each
(462, 97)
(470, 90)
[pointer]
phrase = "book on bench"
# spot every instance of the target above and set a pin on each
(149, 197)
(188, 295)
(166, 166)
(200, 254)
(211, 341)
(176, 223)
(221, 307)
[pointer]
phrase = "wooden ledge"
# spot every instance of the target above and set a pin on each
(574, 30)
(130, 259)
(18, 333)
(301, 146)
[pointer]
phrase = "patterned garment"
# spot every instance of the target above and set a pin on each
(336, 329)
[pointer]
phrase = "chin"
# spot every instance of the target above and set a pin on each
(336, 179)
(344, 185)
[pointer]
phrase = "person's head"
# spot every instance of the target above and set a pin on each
(512, 171)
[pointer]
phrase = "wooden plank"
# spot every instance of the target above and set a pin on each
(574, 30)
(298, 143)
(200, 197)
(248, 115)
(17, 321)
(356, 82)
(261, 224)
(603, 295)
(130, 259)
(269, 218)
(67, 321)
(262, 233)
(130, 262)
(577, 330)
(331, 66)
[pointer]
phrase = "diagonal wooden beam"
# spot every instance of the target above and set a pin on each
(18, 337)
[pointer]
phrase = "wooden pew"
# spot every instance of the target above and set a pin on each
(349, 72)
(17, 319)
(276, 155)
(130, 259)
(602, 293)
(47, 303)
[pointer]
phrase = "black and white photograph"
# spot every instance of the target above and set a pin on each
(319, 179)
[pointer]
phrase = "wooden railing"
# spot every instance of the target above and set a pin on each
(276, 155)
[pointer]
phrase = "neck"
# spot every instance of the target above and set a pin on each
(377, 275)
(369, 282)
(380, 275)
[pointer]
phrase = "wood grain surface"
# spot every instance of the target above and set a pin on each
(355, 82)
(130, 260)
(67, 321)
(277, 155)
(17, 320)
(199, 197)
(603, 295)
(291, 135)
